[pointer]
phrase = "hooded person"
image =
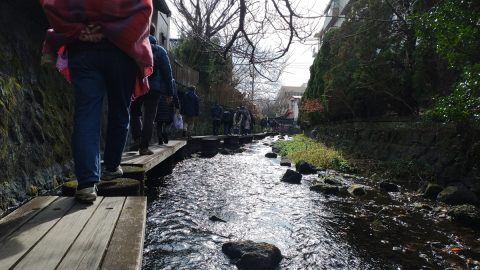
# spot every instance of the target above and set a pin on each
(190, 109)
(161, 89)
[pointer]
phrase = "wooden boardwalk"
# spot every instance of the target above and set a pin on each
(59, 233)
(147, 162)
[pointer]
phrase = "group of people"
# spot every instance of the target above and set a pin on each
(238, 121)
(269, 124)
(160, 104)
(106, 50)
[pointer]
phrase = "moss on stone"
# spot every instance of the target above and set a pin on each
(32, 191)
(71, 184)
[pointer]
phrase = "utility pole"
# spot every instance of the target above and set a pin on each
(252, 93)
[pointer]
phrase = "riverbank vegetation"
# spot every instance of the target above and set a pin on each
(399, 58)
(303, 148)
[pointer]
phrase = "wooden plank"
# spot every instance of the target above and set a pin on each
(161, 152)
(126, 247)
(23, 239)
(21, 215)
(88, 249)
(51, 249)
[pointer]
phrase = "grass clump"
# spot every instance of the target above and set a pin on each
(303, 148)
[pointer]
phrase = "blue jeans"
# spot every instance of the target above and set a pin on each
(94, 73)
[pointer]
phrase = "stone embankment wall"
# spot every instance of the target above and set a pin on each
(450, 153)
(35, 108)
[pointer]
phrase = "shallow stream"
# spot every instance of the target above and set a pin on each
(313, 230)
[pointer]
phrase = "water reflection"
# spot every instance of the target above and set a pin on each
(312, 230)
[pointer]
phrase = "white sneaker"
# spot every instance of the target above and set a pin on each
(110, 175)
(86, 195)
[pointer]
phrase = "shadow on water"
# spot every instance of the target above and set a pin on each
(313, 231)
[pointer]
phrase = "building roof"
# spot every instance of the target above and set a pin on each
(161, 5)
(288, 91)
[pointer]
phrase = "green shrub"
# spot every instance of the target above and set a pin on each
(313, 152)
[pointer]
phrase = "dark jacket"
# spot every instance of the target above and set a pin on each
(227, 116)
(190, 104)
(166, 111)
(161, 78)
(217, 112)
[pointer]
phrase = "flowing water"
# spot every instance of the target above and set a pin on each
(313, 230)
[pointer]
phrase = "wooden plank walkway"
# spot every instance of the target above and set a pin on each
(60, 233)
(160, 153)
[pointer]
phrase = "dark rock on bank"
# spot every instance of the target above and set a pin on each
(248, 255)
(455, 195)
(292, 177)
(325, 189)
(357, 190)
(432, 190)
(332, 181)
(305, 168)
(285, 162)
(466, 214)
(271, 155)
(216, 219)
(388, 186)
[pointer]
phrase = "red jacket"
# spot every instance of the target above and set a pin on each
(125, 23)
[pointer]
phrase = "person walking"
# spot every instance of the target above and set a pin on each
(160, 89)
(238, 120)
(246, 120)
(217, 113)
(190, 108)
(227, 120)
(165, 113)
(252, 121)
(100, 62)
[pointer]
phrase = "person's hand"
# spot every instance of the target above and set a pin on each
(91, 33)
(168, 99)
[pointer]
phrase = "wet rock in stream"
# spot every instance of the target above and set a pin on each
(432, 190)
(466, 214)
(456, 195)
(216, 219)
(271, 155)
(292, 177)
(285, 162)
(358, 190)
(305, 167)
(248, 255)
(388, 186)
(331, 181)
(325, 188)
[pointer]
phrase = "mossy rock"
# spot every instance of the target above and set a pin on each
(119, 187)
(325, 189)
(467, 215)
(330, 180)
(32, 191)
(357, 190)
(432, 190)
(69, 188)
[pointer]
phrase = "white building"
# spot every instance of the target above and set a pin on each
(334, 13)
(293, 107)
(287, 101)
(161, 19)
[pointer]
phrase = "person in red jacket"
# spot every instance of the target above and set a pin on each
(108, 54)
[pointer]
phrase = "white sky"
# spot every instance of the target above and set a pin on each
(301, 55)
